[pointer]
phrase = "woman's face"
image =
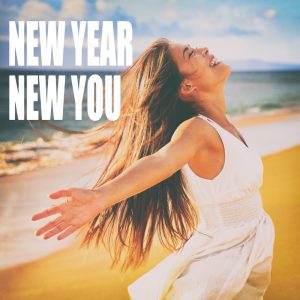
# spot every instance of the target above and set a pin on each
(194, 64)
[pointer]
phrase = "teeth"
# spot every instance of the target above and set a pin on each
(214, 62)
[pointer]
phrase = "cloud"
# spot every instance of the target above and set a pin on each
(101, 5)
(171, 14)
(239, 31)
(231, 31)
(40, 10)
(75, 9)
(4, 38)
(36, 10)
(270, 13)
(139, 28)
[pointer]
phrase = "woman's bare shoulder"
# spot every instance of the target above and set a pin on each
(195, 127)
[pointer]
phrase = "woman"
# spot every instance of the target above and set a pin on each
(176, 157)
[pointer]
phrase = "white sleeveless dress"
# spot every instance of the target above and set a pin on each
(230, 254)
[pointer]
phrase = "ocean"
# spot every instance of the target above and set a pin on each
(245, 92)
(25, 146)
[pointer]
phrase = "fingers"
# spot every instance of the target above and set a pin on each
(67, 232)
(49, 226)
(56, 209)
(60, 227)
(61, 193)
(46, 213)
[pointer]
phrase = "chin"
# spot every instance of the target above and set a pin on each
(227, 66)
(225, 72)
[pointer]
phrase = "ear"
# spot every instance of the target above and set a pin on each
(186, 90)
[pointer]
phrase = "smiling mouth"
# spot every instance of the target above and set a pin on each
(214, 61)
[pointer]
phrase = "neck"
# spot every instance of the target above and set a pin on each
(213, 106)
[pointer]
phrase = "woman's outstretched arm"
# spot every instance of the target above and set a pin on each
(148, 171)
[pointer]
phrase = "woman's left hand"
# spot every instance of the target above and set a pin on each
(82, 206)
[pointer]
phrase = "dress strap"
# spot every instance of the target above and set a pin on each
(211, 122)
(241, 140)
(224, 141)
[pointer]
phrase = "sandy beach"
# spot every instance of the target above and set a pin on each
(32, 268)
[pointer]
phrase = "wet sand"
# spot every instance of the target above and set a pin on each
(266, 117)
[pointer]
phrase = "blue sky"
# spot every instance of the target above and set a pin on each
(232, 30)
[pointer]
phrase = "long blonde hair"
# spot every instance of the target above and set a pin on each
(150, 113)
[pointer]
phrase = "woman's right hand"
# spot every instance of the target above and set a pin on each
(81, 207)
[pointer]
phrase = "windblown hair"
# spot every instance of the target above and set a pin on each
(150, 113)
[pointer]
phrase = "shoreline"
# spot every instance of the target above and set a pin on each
(30, 156)
(267, 116)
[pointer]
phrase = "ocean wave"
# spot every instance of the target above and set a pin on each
(17, 158)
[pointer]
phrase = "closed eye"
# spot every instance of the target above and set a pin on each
(191, 54)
